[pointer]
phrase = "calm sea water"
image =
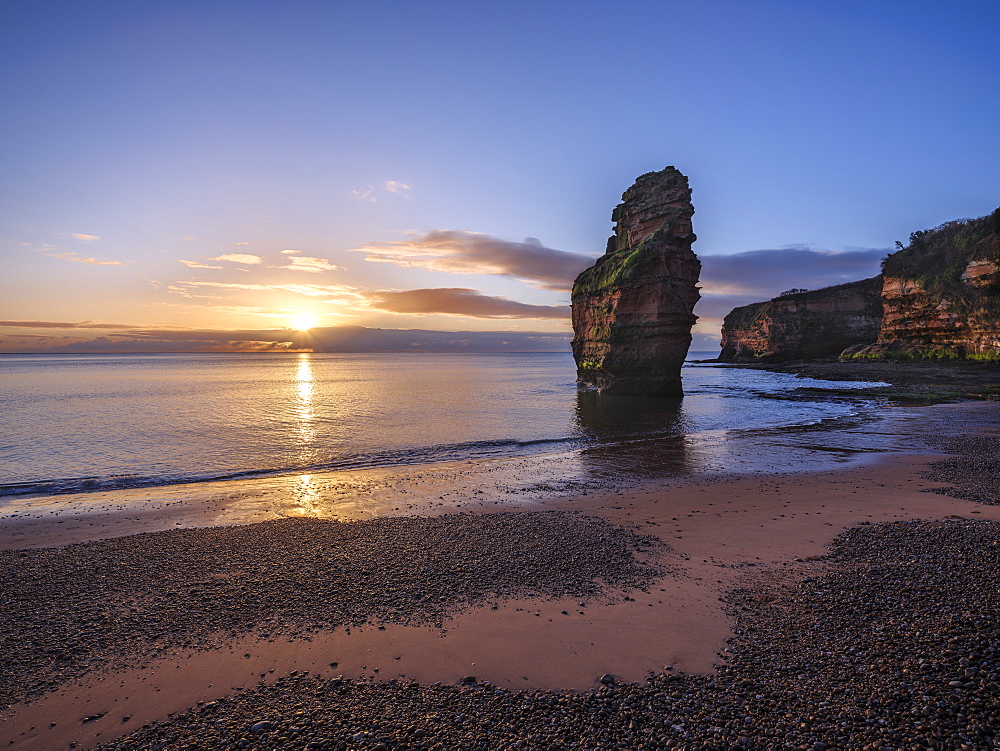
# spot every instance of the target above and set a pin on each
(78, 423)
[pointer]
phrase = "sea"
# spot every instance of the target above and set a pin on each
(78, 424)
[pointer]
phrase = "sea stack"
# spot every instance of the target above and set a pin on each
(632, 310)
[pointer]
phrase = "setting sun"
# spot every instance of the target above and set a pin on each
(303, 321)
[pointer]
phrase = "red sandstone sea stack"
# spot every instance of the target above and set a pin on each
(632, 310)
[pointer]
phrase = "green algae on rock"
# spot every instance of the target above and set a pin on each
(632, 310)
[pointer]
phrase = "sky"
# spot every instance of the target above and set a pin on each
(213, 175)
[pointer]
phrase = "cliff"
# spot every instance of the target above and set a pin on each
(632, 310)
(804, 325)
(940, 296)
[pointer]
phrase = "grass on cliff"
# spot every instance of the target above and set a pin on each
(936, 258)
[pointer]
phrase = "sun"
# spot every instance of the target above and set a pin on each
(303, 321)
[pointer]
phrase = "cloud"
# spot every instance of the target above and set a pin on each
(242, 243)
(766, 273)
(458, 301)
(369, 194)
(84, 238)
(178, 289)
(244, 258)
(736, 279)
(704, 342)
(65, 325)
(716, 307)
(360, 339)
(197, 265)
(106, 345)
(323, 339)
(308, 263)
(71, 256)
(290, 252)
(250, 309)
(366, 194)
(460, 252)
(393, 186)
(340, 291)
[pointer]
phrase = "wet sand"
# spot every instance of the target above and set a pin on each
(719, 531)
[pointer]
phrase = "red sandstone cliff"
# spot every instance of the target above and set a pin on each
(941, 296)
(804, 325)
(632, 310)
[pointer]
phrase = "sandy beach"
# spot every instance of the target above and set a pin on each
(202, 632)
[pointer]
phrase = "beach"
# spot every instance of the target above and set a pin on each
(577, 619)
(445, 376)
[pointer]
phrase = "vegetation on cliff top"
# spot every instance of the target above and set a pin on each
(952, 314)
(936, 258)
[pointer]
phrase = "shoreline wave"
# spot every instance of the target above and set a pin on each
(72, 432)
(400, 457)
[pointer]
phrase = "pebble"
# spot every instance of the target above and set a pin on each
(119, 603)
(974, 473)
(862, 656)
(890, 641)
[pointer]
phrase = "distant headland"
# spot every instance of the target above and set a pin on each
(936, 299)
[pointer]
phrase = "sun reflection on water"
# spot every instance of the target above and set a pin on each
(303, 390)
(307, 494)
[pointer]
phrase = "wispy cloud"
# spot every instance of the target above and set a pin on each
(309, 290)
(66, 325)
(394, 186)
(71, 256)
(197, 264)
(363, 194)
(735, 279)
(458, 301)
(242, 243)
(251, 310)
(769, 272)
(244, 258)
(84, 238)
(370, 194)
(460, 252)
(182, 291)
(324, 339)
(308, 263)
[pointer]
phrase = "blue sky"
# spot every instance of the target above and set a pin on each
(141, 135)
